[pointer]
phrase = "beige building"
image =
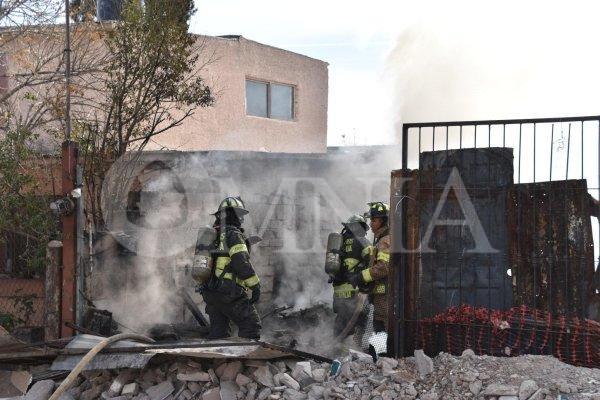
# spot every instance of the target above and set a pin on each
(267, 99)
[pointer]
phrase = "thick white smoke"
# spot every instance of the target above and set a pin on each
(468, 60)
(294, 204)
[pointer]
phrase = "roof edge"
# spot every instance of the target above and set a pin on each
(240, 38)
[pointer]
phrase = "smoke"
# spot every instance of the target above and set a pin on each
(468, 60)
(146, 290)
(295, 201)
(478, 60)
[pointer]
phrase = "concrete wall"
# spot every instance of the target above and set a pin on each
(295, 201)
(226, 125)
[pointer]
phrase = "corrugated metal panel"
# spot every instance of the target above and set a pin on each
(102, 361)
(257, 352)
(131, 357)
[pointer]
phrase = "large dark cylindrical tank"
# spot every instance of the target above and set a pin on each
(453, 271)
(109, 10)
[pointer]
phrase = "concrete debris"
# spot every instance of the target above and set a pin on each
(264, 376)
(194, 377)
(92, 393)
(264, 394)
(468, 353)
(475, 387)
(20, 380)
(527, 389)
(305, 366)
(499, 389)
(119, 382)
(228, 390)
(319, 375)
(212, 394)
(160, 391)
(131, 389)
(40, 390)
(229, 370)
(242, 380)
(213, 376)
(288, 381)
(424, 363)
(447, 377)
(360, 356)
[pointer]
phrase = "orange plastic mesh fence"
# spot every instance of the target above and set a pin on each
(517, 331)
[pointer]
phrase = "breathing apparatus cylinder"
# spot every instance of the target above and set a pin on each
(205, 243)
(332, 257)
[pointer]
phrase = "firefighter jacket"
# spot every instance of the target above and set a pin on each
(379, 262)
(233, 258)
(354, 257)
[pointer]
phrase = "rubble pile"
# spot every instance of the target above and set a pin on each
(444, 377)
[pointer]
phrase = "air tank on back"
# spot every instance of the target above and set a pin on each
(332, 257)
(108, 10)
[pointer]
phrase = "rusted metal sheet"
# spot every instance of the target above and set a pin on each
(69, 234)
(129, 354)
(254, 352)
(464, 262)
(551, 249)
(136, 360)
(402, 314)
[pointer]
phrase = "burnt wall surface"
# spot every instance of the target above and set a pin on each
(551, 246)
(158, 200)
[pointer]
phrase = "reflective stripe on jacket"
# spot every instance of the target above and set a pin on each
(379, 262)
(354, 256)
(237, 264)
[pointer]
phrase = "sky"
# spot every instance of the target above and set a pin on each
(406, 61)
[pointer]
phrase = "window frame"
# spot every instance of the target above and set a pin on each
(269, 84)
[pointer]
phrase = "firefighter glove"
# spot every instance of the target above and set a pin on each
(255, 294)
(355, 280)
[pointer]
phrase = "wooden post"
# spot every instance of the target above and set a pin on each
(53, 284)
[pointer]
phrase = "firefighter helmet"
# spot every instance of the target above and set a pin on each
(356, 219)
(233, 203)
(377, 209)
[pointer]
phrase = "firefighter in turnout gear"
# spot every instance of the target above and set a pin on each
(225, 293)
(354, 257)
(375, 276)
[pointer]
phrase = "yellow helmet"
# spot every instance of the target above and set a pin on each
(377, 209)
(356, 219)
(233, 203)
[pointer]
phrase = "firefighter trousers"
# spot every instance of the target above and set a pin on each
(228, 303)
(344, 309)
(380, 317)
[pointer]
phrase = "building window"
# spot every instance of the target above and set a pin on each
(256, 98)
(269, 100)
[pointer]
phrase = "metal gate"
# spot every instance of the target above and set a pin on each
(493, 240)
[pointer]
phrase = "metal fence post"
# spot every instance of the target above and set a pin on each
(398, 260)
